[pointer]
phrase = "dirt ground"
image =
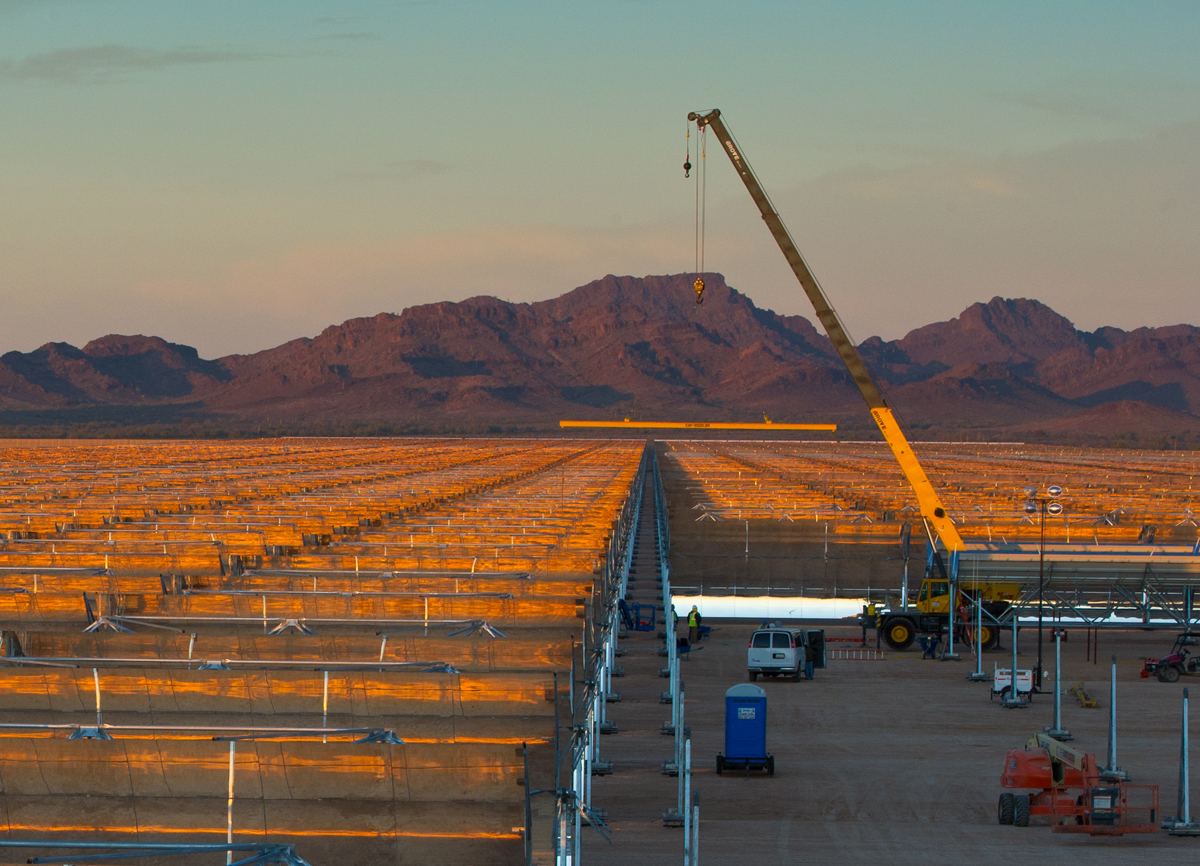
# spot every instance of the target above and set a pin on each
(894, 761)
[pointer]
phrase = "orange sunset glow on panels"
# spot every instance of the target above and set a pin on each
(475, 505)
(857, 488)
(425, 589)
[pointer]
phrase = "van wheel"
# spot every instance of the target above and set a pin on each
(1004, 810)
(753, 676)
(796, 675)
(1021, 810)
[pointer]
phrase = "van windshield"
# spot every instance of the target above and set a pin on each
(762, 640)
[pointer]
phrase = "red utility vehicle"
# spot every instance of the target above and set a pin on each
(1171, 667)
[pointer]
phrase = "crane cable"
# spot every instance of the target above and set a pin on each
(701, 202)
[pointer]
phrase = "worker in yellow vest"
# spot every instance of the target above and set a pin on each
(693, 626)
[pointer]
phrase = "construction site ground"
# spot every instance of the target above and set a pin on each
(895, 761)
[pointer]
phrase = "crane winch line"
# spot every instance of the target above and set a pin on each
(932, 510)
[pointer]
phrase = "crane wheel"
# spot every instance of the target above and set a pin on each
(989, 637)
(1004, 811)
(900, 634)
(1021, 810)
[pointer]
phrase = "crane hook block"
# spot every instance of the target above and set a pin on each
(699, 287)
(687, 168)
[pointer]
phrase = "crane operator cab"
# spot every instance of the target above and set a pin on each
(934, 596)
(780, 652)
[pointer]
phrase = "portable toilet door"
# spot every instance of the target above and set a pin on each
(816, 645)
(745, 723)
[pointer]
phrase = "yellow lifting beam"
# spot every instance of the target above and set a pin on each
(696, 425)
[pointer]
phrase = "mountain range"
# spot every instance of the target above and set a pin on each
(627, 346)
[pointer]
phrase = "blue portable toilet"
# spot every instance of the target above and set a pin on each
(746, 730)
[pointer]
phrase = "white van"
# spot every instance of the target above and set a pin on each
(775, 652)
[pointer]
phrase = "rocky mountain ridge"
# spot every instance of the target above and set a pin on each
(626, 346)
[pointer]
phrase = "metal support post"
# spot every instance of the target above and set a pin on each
(560, 857)
(950, 655)
(1013, 701)
(1037, 682)
(687, 802)
(1182, 824)
(675, 817)
(325, 707)
(680, 748)
(578, 836)
(591, 762)
(1185, 806)
(229, 804)
(1057, 731)
(696, 835)
(99, 715)
(1111, 770)
(528, 808)
(978, 675)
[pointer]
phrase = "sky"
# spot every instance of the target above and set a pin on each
(232, 175)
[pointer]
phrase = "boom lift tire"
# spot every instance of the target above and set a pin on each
(1021, 810)
(1004, 811)
(900, 633)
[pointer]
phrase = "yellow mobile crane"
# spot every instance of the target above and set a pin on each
(933, 602)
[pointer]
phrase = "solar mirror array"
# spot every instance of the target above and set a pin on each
(826, 518)
(377, 627)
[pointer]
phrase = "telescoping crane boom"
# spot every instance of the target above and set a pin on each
(932, 510)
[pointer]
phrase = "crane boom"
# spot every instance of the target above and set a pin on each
(930, 504)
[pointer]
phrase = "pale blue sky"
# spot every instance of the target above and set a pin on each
(235, 174)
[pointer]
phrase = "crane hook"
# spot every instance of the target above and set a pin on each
(687, 167)
(699, 287)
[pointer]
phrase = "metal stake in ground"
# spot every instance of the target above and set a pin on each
(1181, 824)
(1111, 770)
(1057, 730)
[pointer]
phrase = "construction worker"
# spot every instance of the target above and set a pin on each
(693, 626)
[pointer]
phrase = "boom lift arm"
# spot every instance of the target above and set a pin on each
(930, 504)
